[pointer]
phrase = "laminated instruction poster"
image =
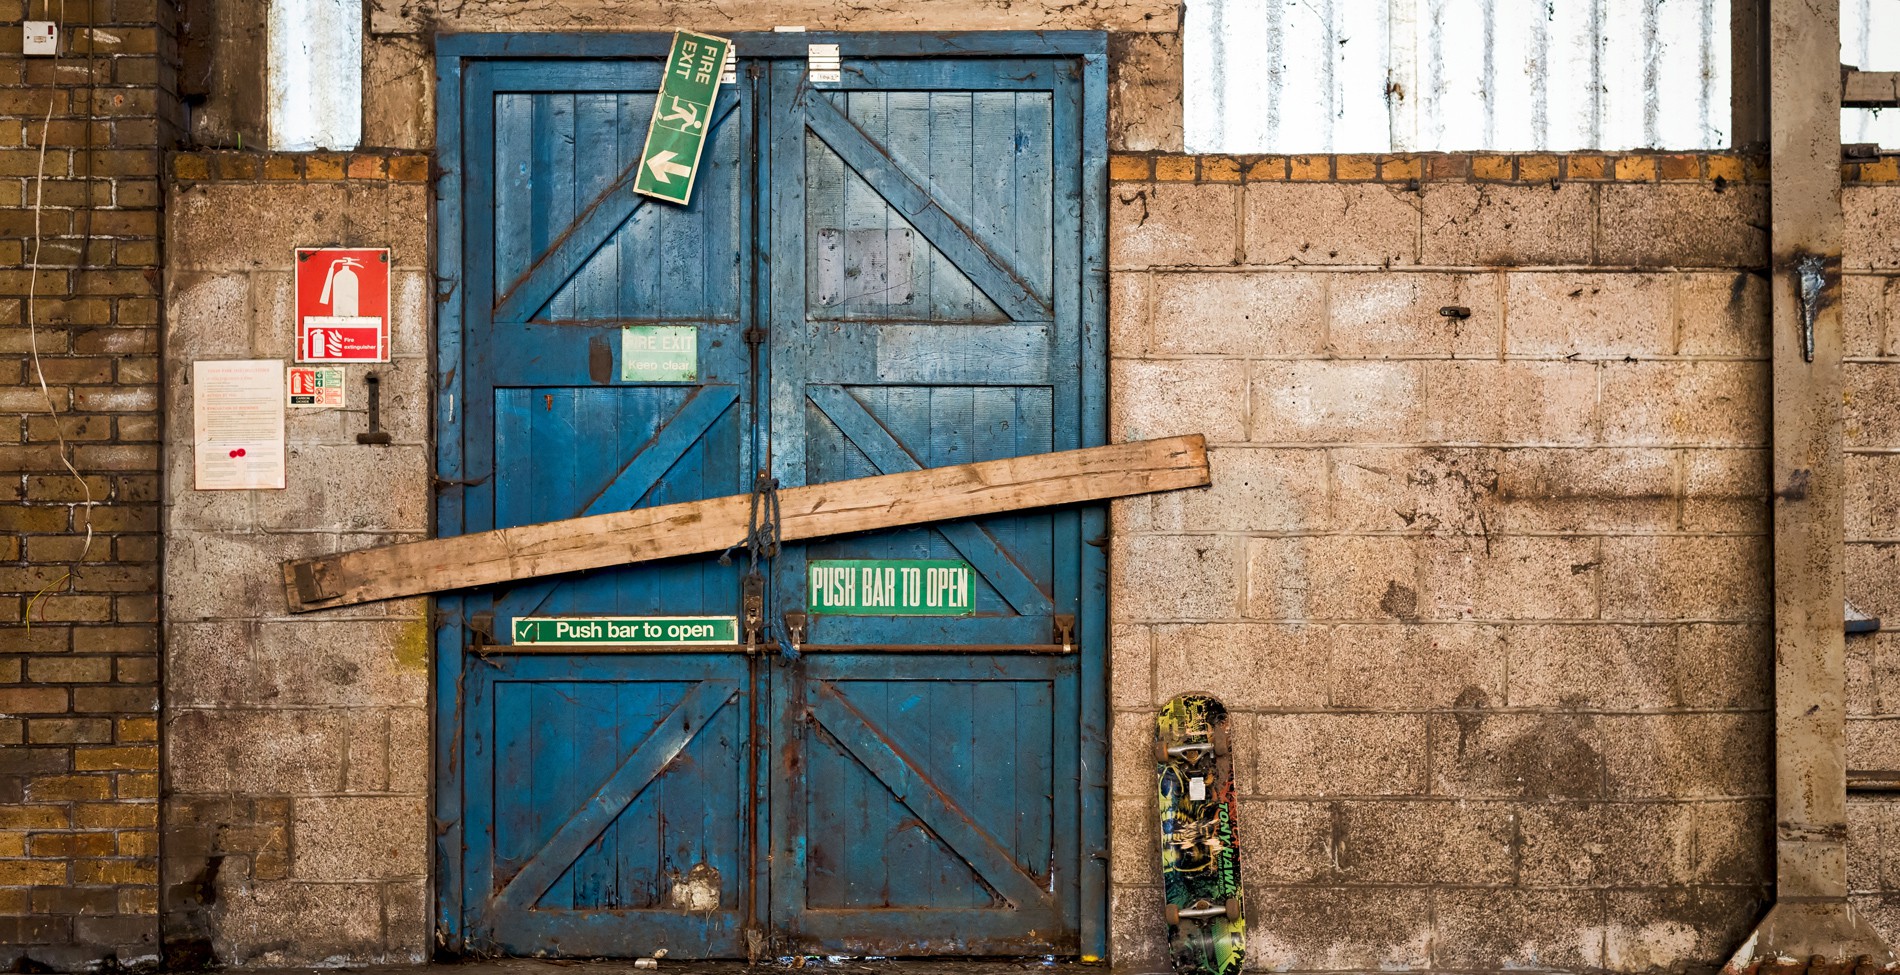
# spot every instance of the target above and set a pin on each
(237, 413)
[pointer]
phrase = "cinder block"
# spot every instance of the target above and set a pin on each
(1485, 225)
(1480, 928)
(1134, 842)
(1872, 405)
(1314, 755)
(366, 751)
(1649, 844)
(1333, 577)
(1871, 490)
(1131, 754)
(1130, 666)
(1285, 842)
(1400, 667)
(1726, 665)
(360, 838)
(1438, 490)
(1510, 577)
(1873, 227)
(1873, 743)
(1248, 666)
(350, 488)
(1426, 842)
(1331, 223)
(1164, 578)
(1597, 489)
(1128, 299)
(1509, 402)
(255, 752)
(1172, 225)
(1685, 578)
(411, 314)
(218, 575)
(1688, 403)
(409, 751)
(1163, 398)
(287, 923)
(208, 316)
(1865, 820)
(1725, 490)
(240, 226)
(1589, 316)
(1478, 753)
(1339, 928)
(1673, 929)
(397, 108)
(1389, 314)
(1734, 841)
(209, 664)
(1688, 756)
(408, 921)
(1868, 303)
(1255, 489)
(274, 314)
(1135, 940)
(1726, 313)
(1592, 667)
(1684, 225)
(1333, 401)
(1239, 313)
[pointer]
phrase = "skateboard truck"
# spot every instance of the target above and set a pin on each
(1230, 909)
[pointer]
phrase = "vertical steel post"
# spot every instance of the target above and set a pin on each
(1812, 926)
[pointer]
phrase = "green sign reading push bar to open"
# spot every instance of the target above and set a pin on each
(889, 587)
(682, 117)
(673, 630)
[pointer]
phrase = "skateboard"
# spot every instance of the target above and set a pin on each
(1200, 858)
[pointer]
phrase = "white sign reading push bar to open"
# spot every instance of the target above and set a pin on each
(708, 631)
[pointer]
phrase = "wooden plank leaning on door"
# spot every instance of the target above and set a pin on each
(694, 527)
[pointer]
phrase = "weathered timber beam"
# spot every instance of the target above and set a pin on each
(1812, 925)
(1870, 89)
(697, 527)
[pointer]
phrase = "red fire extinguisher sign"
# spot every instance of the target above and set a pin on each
(342, 304)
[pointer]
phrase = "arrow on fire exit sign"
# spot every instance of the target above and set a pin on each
(682, 117)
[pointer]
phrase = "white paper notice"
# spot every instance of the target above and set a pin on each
(238, 424)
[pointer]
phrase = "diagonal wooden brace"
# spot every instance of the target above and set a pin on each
(698, 527)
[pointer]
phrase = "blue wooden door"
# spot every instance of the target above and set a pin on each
(901, 270)
(930, 215)
(614, 792)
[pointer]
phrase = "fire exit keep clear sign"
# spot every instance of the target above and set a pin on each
(889, 587)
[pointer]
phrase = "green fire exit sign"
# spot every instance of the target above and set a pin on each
(682, 116)
(889, 587)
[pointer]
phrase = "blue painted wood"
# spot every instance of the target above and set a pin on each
(926, 804)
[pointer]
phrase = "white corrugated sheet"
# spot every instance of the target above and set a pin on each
(1506, 75)
(316, 74)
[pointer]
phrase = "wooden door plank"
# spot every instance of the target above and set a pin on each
(696, 527)
(948, 232)
(580, 830)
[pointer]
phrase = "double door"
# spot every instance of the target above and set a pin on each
(890, 272)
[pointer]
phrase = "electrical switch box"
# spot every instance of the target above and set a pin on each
(42, 38)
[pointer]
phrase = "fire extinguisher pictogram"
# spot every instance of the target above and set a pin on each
(340, 288)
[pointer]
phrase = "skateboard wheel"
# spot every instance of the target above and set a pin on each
(1233, 908)
(1173, 914)
(1161, 753)
(1218, 735)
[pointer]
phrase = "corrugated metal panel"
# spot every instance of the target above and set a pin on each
(1508, 75)
(316, 74)
(1870, 40)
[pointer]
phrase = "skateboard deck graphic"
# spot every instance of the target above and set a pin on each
(1200, 859)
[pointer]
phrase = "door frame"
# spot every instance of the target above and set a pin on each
(454, 54)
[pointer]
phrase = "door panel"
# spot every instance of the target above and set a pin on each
(885, 275)
(925, 807)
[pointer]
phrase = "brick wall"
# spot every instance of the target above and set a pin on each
(1489, 593)
(78, 621)
(297, 749)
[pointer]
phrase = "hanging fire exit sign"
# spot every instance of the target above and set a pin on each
(721, 631)
(889, 587)
(682, 114)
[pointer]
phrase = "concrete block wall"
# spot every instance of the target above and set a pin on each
(1870, 309)
(298, 790)
(79, 615)
(1488, 593)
